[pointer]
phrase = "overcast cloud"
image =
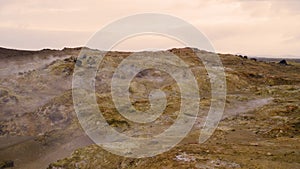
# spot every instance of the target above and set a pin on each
(233, 26)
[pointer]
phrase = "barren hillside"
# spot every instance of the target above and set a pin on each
(39, 127)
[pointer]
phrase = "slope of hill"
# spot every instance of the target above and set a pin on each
(38, 126)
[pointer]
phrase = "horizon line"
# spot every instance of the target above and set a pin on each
(287, 56)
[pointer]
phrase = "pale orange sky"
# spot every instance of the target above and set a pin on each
(248, 27)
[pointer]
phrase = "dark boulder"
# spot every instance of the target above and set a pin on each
(6, 164)
(283, 62)
(78, 63)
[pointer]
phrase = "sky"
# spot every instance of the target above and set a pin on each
(249, 27)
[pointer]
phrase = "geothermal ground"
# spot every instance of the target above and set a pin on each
(40, 129)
